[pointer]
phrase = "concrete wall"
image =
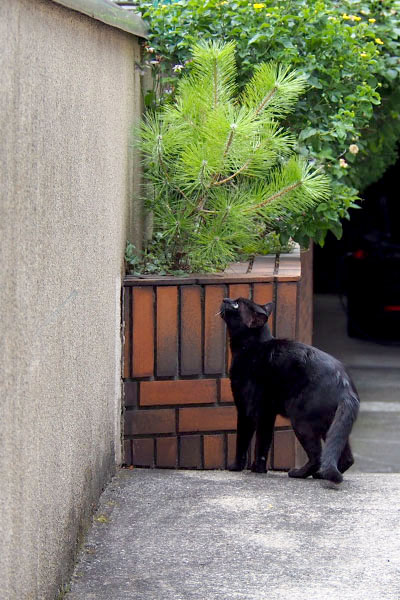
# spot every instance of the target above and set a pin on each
(69, 96)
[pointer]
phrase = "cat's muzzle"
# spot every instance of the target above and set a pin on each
(227, 305)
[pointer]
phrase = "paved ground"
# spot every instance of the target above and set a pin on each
(375, 369)
(216, 535)
(187, 535)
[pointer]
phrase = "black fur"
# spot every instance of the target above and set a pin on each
(272, 376)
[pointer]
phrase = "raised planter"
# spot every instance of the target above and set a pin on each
(179, 411)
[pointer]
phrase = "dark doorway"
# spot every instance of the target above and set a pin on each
(363, 268)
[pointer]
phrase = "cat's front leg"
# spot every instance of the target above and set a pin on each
(245, 430)
(264, 433)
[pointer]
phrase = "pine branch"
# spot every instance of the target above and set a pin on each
(215, 84)
(283, 192)
(164, 168)
(230, 138)
(266, 100)
(246, 164)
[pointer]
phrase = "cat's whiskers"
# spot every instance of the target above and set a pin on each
(218, 313)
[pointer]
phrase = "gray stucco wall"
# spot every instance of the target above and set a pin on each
(69, 96)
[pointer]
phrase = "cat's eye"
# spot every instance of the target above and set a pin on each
(235, 304)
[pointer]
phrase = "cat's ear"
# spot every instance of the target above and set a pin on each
(253, 318)
(258, 320)
(269, 307)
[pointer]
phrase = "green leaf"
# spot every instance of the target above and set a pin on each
(392, 74)
(306, 133)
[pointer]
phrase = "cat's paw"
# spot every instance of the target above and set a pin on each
(236, 467)
(259, 467)
(298, 473)
(331, 473)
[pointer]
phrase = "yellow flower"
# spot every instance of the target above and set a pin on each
(364, 54)
(346, 17)
(379, 41)
(372, 20)
(357, 19)
(260, 5)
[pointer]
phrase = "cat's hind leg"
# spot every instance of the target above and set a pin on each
(313, 447)
(346, 458)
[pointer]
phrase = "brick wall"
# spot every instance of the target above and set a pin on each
(306, 292)
(179, 410)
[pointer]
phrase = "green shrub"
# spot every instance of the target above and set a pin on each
(349, 52)
(223, 172)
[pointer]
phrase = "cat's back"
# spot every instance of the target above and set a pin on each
(288, 361)
(295, 360)
(283, 351)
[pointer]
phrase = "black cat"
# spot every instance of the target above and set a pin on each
(272, 376)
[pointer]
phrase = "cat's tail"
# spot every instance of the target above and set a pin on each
(338, 435)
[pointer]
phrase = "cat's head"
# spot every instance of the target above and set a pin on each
(242, 314)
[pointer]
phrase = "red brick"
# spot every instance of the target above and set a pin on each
(191, 323)
(231, 448)
(214, 330)
(214, 457)
(149, 421)
(286, 307)
(127, 355)
(127, 457)
(167, 330)
(239, 290)
(190, 391)
(226, 392)
(284, 450)
(263, 293)
(167, 452)
(130, 393)
(190, 452)
(143, 452)
(143, 331)
(282, 421)
(216, 418)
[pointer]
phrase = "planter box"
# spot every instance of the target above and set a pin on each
(179, 411)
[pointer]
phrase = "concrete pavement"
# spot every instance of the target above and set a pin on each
(216, 535)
